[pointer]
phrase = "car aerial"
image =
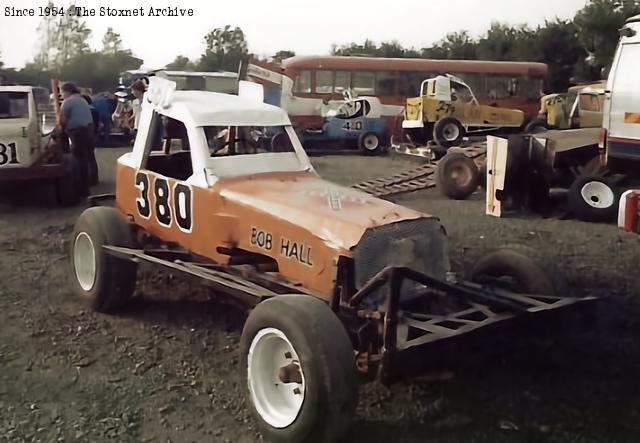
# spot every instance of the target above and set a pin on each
(340, 283)
(28, 152)
(447, 110)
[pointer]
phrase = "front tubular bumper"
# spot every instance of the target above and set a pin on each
(407, 326)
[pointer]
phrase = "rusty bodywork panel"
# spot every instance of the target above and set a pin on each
(299, 220)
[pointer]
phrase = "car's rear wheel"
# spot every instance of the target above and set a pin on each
(106, 282)
(522, 269)
(448, 132)
(369, 143)
(299, 369)
(593, 199)
(457, 176)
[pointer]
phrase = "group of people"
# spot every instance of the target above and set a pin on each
(84, 119)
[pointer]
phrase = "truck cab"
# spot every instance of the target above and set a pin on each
(620, 138)
(26, 123)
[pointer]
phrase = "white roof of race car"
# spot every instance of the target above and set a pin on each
(203, 108)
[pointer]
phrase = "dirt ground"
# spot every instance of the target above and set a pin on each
(166, 370)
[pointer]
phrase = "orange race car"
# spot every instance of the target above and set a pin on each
(341, 282)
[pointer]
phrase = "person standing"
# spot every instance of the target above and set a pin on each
(93, 164)
(138, 89)
(78, 125)
(105, 105)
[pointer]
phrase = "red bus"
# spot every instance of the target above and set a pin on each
(304, 85)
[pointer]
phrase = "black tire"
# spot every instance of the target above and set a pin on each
(536, 126)
(325, 353)
(369, 143)
(457, 176)
(482, 176)
(114, 278)
(448, 132)
(520, 269)
(68, 186)
(593, 199)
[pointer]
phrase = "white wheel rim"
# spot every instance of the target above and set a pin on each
(371, 142)
(84, 261)
(450, 132)
(277, 402)
(597, 195)
(460, 175)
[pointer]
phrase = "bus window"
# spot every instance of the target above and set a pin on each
(409, 82)
(475, 81)
(324, 82)
(364, 82)
(385, 83)
(500, 86)
(342, 81)
(531, 88)
(302, 82)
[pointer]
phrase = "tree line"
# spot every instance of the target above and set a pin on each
(576, 50)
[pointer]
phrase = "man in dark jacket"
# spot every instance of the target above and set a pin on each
(78, 124)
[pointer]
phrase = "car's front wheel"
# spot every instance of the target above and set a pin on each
(106, 282)
(299, 368)
(593, 199)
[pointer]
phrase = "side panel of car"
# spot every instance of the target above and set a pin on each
(20, 142)
(200, 220)
(471, 114)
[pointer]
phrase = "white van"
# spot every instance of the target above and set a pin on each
(621, 121)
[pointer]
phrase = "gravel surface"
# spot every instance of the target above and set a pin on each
(166, 369)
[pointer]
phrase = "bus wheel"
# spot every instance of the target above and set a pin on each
(369, 143)
(593, 199)
(448, 132)
(457, 176)
(298, 364)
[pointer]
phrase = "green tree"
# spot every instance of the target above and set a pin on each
(61, 38)
(71, 38)
(283, 54)
(226, 49)
(598, 24)
(98, 70)
(47, 40)
(111, 42)
(560, 48)
(506, 43)
(369, 48)
(181, 63)
(455, 46)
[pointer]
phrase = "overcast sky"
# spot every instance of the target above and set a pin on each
(270, 25)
